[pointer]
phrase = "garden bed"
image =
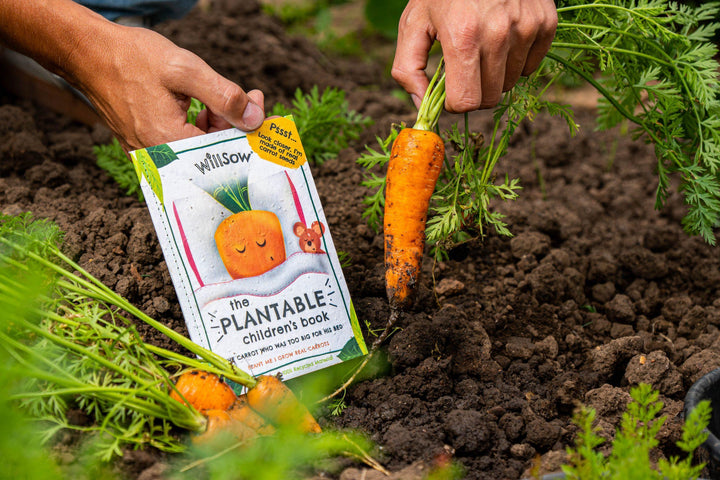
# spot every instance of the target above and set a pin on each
(595, 292)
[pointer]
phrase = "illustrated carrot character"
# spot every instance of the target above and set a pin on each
(250, 242)
(415, 161)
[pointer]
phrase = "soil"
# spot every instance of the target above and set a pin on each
(595, 292)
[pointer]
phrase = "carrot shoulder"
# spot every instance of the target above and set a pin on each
(203, 390)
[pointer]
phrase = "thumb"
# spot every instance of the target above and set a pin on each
(224, 98)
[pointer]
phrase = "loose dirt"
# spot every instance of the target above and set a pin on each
(596, 291)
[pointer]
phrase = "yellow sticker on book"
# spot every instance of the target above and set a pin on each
(277, 141)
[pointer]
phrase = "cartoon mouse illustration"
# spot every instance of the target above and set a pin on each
(310, 238)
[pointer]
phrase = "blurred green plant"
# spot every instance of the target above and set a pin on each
(286, 455)
(630, 456)
(314, 19)
(384, 15)
(22, 454)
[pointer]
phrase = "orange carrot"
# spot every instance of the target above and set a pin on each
(204, 391)
(220, 421)
(217, 421)
(413, 170)
(276, 402)
(415, 161)
(241, 412)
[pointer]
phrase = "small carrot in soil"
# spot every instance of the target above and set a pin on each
(413, 170)
(204, 391)
(277, 403)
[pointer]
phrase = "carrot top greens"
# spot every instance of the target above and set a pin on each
(652, 61)
(634, 440)
(77, 341)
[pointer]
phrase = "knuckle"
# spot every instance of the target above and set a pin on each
(498, 31)
(527, 30)
(551, 17)
(549, 22)
(232, 98)
(465, 39)
(399, 74)
(465, 103)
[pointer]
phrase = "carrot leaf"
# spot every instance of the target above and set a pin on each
(324, 121)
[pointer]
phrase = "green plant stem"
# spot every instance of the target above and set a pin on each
(184, 360)
(605, 6)
(179, 414)
(580, 46)
(604, 92)
(433, 101)
(93, 288)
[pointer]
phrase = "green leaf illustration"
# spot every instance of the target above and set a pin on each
(145, 163)
(355, 324)
(161, 155)
(350, 350)
(233, 196)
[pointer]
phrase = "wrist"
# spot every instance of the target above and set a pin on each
(61, 35)
(87, 45)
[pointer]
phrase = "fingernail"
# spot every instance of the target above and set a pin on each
(416, 100)
(253, 116)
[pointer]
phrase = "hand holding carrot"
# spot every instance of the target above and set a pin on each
(487, 45)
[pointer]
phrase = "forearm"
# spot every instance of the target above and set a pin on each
(139, 82)
(61, 35)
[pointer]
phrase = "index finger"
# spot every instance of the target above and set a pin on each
(411, 56)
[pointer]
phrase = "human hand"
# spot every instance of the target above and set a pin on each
(141, 86)
(487, 45)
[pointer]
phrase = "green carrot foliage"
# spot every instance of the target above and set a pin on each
(324, 121)
(652, 61)
(634, 440)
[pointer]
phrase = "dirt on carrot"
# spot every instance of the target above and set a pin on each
(415, 163)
